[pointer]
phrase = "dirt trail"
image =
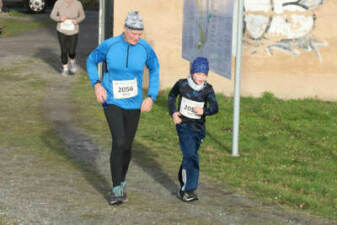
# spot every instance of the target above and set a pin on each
(82, 191)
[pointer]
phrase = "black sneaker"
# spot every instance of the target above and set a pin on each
(187, 196)
(180, 194)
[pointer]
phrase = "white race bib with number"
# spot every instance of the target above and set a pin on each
(186, 108)
(125, 88)
(67, 25)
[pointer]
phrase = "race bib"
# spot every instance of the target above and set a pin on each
(124, 88)
(186, 108)
(67, 25)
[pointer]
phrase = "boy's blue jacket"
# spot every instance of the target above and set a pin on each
(125, 62)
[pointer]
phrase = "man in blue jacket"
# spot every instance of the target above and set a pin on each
(120, 92)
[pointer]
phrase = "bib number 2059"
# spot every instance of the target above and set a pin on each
(124, 88)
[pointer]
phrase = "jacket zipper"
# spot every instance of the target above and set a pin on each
(127, 57)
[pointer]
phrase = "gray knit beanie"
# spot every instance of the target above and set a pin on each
(133, 21)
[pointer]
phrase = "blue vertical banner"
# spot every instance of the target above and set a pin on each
(207, 32)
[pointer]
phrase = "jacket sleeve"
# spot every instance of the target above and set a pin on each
(81, 14)
(172, 98)
(212, 106)
(96, 56)
(153, 66)
(54, 15)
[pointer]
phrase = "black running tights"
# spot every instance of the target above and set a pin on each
(68, 45)
(123, 125)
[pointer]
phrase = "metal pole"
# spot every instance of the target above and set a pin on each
(101, 30)
(237, 81)
(105, 26)
(101, 21)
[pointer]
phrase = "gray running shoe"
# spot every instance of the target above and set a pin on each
(73, 67)
(65, 73)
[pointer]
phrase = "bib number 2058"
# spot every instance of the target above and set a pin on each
(186, 108)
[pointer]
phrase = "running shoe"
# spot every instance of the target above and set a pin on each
(187, 196)
(124, 196)
(73, 67)
(116, 195)
(65, 73)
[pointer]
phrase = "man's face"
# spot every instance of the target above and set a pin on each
(132, 36)
(199, 78)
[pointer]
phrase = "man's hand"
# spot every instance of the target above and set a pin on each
(100, 93)
(74, 22)
(146, 105)
(63, 18)
(176, 118)
(198, 110)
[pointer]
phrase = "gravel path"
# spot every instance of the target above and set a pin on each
(56, 194)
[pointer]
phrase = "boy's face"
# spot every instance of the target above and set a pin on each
(199, 78)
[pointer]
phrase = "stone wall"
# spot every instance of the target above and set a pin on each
(288, 48)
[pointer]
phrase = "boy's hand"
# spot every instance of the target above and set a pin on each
(198, 110)
(146, 105)
(176, 117)
(63, 18)
(74, 22)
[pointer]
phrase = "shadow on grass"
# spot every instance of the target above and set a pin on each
(81, 152)
(49, 57)
(146, 159)
(218, 143)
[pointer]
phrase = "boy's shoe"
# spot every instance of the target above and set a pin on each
(116, 195)
(73, 67)
(65, 73)
(187, 196)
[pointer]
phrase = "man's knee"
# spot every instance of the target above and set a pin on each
(120, 145)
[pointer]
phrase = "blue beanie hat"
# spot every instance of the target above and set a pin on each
(200, 65)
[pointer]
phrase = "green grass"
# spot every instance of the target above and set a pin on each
(288, 149)
(26, 133)
(90, 4)
(22, 119)
(13, 26)
(14, 13)
(5, 220)
(20, 96)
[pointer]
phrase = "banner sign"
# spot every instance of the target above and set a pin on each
(207, 32)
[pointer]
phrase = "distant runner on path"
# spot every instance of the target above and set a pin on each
(68, 14)
(120, 92)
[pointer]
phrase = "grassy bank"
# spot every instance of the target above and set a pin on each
(29, 146)
(288, 149)
(15, 23)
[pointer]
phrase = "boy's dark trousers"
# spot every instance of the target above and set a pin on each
(190, 139)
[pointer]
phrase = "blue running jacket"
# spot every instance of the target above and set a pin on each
(125, 62)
